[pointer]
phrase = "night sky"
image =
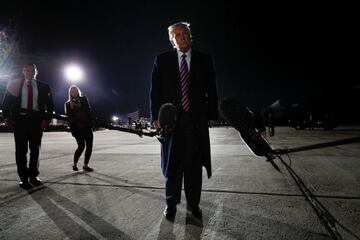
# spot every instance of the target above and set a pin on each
(263, 51)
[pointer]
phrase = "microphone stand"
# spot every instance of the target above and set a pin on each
(326, 218)
(101, 123)
(315, 146)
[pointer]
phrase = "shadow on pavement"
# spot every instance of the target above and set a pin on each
(55, 206)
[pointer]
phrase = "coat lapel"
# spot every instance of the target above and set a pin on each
(175, 65)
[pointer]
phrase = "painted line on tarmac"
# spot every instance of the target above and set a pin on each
(204, 190)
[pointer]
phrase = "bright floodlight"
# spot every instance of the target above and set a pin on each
(74, 73)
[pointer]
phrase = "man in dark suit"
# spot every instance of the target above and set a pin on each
(185, 77)
(25, 107)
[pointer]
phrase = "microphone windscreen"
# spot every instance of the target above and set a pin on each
(236, 114)
(243, 120)
(167, 116)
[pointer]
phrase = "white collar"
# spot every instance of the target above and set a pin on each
(180, 53)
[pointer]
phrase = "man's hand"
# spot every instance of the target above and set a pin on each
(44, 124)
(156, 124)
(9, 123)
(212, 123)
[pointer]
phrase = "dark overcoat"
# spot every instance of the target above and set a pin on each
(202, 93)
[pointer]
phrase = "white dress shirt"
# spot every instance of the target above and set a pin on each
(188, 58)
(24, 95)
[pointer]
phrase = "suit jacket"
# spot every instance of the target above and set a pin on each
(165, 88)
(12, 99)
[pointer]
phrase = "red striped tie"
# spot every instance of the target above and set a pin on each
(30, 96)
(184, 84)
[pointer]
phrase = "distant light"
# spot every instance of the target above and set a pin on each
(74, 73)
(115, 118)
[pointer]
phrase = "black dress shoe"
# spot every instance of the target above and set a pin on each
(25, 185)
(194, 210)
(36, 182)
(75, 168)
(170, 212)
(87, 168)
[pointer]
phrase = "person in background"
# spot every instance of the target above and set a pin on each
(27, 106)
(77, 109)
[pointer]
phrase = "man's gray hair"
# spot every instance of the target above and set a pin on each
(184, 25)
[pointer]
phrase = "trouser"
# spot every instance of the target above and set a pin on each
(185, 163)
(27, 134)
(84, 137)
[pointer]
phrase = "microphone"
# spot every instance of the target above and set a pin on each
(167, 119)
(243, 120)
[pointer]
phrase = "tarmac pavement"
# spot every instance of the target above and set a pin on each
(246, 198)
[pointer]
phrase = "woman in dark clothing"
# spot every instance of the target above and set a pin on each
(78, 110)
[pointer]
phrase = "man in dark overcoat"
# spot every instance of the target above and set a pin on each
(185, 77)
